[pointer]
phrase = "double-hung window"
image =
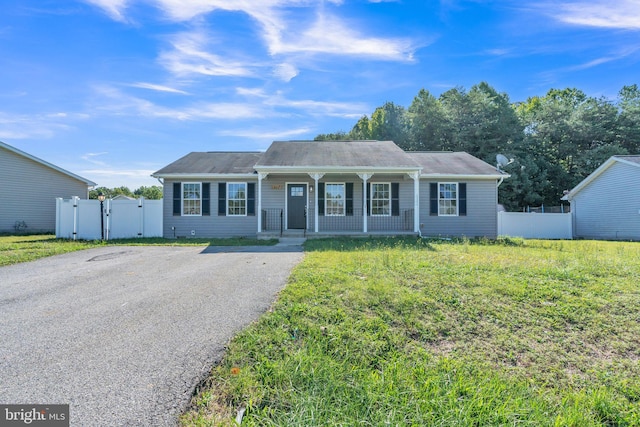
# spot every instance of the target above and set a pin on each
(237, 198)
(380, 199)
(334, 199)
(191, 198)
(448, 198)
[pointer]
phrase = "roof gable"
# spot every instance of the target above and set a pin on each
(631, 160)
(46, 164)
(335, 154)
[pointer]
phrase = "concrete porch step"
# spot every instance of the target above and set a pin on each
(291, 241)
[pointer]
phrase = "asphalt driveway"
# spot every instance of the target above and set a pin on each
(124, 334)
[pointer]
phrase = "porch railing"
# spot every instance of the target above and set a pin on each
(273, 220)
(353, 222)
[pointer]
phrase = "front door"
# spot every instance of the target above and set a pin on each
(296, 203)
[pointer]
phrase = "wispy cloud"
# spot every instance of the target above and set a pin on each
(348, 110)
(159, 88)
(113, 8)
(257, 104)
(190, 55)
(331, 35)
(622, 14)
(285, 71)
(111, 177)
(327, 33)
(22, 126)
(114, 101)
(92, 158)
(266, 134)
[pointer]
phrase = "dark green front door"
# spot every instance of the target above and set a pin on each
(296, 203)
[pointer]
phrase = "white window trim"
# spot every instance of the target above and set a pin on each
(344, 198)
(246, 189)
(457, 199)
(183, 199)
(371, 184)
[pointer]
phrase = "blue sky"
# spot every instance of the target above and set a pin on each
(113, 90)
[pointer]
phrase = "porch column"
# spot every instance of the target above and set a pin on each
(364, 177)
(261, 176)
(316, 177)
(416, 201)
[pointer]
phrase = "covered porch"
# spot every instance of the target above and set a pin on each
(334, 204)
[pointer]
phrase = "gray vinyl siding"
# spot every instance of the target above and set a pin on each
(481, 219)
(206, 226)
(609, 206)
(28, 192)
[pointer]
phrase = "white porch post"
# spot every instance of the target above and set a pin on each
(261, 176)
(416, 201)
(364, 177)
(316, 177)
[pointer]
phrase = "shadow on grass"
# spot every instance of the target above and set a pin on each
(403, 242)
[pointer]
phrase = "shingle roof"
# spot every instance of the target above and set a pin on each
(212, 162)
(630, 158)
(452, 163)
(370, 154)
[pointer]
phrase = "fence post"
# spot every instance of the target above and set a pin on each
(108, 227)
(141, 210)
(75, 216)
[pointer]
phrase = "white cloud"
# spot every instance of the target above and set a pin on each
(116, 102)
(113, 8)
(159, 88)
(189, 56)
(266, 134)
(91, 158)
(329, 34)
(112, 177)
(348, 110)
(623, 14)
(258, 92)
(285, 71)
(40, 126)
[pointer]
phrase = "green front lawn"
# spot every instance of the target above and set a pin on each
(445, 333)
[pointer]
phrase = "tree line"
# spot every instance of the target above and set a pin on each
(153, 192)
(556, 140)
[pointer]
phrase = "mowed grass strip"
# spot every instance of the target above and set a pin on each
(441, 333)
(23, 248)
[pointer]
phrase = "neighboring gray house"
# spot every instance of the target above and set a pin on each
(29, 187)
(330, 188)
(606, 204)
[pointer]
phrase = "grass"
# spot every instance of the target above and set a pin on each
(22, 248)
(440, 333)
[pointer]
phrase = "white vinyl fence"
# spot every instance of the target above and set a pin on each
(81, 219)
(535, 225)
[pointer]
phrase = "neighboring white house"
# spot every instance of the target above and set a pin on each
(606, 204)
(29, 187)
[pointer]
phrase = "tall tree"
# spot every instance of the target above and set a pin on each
(389, 123)
(428, 125)
(628, 124)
